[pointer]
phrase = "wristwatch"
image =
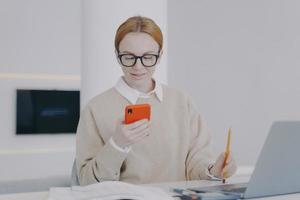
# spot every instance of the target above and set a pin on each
(210, 175)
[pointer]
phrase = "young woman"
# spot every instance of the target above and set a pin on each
(174, 145)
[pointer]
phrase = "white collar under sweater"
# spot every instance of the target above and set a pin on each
(132, 94)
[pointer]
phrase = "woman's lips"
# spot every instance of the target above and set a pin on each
(137, 76)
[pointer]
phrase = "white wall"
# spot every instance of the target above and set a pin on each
(240, 62)
(40, 36)
(40, 49)
(101, 18)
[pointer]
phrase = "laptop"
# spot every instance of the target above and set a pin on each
(277, 168)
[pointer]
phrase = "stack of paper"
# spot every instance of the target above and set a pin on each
(108, 190)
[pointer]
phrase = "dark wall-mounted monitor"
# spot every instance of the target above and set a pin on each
(47, 111)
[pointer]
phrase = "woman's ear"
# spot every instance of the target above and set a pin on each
(160, 55)
(116, 52)
(117, 56)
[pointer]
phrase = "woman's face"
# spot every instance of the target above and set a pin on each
(138, 44)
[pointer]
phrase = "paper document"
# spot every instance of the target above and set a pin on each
(108, 190)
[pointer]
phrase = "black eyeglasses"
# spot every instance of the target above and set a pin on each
(147, 60)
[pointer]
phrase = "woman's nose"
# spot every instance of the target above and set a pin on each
(138, 64)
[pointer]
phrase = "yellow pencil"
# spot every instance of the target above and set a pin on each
(227, 152)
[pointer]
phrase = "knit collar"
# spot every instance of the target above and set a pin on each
(132, 94)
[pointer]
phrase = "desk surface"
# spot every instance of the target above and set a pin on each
(165, 186)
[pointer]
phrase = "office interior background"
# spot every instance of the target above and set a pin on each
(239, 60)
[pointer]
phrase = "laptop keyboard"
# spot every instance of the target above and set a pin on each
(236, 190)
(230, 188)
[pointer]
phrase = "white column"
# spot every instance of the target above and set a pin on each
(101, 18)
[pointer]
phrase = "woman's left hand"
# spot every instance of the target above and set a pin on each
(224, 170)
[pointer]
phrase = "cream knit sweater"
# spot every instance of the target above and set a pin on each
(177, 148)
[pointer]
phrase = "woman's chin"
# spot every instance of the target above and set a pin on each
(138, 82)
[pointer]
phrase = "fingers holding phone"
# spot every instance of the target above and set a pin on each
(136, 126)
(128, 134)
(138, 130)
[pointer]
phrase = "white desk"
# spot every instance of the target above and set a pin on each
(166, 186)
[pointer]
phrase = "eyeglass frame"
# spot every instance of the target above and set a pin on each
(138, 57)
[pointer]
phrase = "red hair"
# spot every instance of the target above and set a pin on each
(139, 24)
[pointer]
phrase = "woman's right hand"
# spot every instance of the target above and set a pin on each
(128, 134)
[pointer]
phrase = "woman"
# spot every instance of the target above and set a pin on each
(174, 145)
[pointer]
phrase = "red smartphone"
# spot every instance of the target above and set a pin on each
(137, 112)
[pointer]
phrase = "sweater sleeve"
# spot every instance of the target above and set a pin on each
(96, 160)
(200, 151)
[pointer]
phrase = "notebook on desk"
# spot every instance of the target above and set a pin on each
(108, 190)
(277, 169)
